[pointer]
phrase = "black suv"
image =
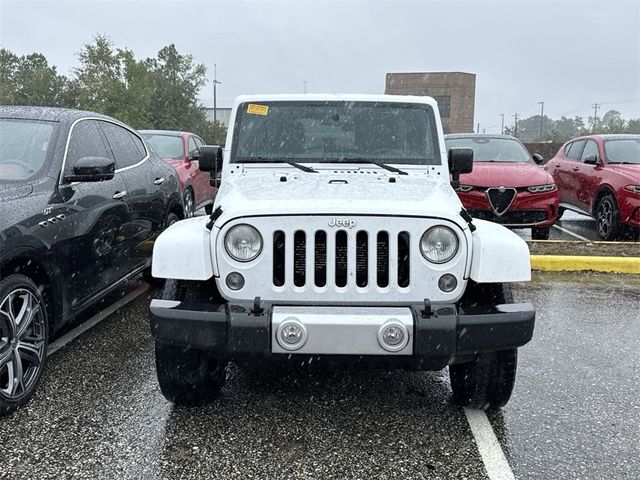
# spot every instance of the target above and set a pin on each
(81, 200)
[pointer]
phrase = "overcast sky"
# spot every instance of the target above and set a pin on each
(569, 54)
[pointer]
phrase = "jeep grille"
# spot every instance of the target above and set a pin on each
(342, 258)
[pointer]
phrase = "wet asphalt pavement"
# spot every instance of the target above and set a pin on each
(574, 414)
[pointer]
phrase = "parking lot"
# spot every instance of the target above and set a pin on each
(99, 412)
(572, 227)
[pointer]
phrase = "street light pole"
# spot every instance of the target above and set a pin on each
(215, 84)
(541, 116)
(502, 126)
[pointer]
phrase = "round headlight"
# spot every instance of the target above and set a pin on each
(439, 244)
(243, 243)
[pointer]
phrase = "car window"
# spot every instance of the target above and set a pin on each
(591, 148)
(487, 149)
(122, 145)
(86, 141)
(139, 144)
(199, 142)
(23, 148)
(575, 150)
(623, 150)
(193, 148)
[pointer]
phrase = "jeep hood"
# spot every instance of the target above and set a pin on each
(357, 192)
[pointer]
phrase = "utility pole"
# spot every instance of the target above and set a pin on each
(305, 86)
(541, 116)
(502, 126)
(215, 84)
(478, 129)
(515, 129)
(596, 106)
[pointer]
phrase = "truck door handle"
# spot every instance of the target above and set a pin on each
(575, 169)
(119, 195)
(159, 181)
(557, 164)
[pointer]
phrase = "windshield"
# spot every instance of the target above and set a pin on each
(486, 149)
(625, 150)
(23, 148)
(325, 132)
(166, 146)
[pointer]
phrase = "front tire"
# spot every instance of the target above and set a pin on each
(188, 376)
(608, 218)
(24, 337)
(189, 203)
(487, 381)
(538, 233)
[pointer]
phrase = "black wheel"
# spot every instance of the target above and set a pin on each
(487, 381)
(607, 218)
(208, 208)
(171, 219)
(24, 335)
(189, 203)
(561, 212)
(188, 376)
(540, 233)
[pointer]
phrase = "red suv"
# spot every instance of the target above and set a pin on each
(506, 186)
(599, 176)
(181, 151)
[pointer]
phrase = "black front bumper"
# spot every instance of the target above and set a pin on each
(447, 335)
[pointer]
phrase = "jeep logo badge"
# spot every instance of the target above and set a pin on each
(334, 222)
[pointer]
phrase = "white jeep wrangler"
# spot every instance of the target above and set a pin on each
(337, 238)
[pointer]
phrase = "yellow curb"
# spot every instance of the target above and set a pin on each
(558, 263)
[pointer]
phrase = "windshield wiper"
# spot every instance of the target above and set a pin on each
(379, 164)
(304, 168)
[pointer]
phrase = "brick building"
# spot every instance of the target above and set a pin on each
(455, 93)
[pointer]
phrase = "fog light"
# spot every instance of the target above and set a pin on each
(447, 283)
(235, 281)
(393, 336)
(291, 334)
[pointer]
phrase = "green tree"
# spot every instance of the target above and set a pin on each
(30, 80)
(177, 81)
(612, 122)
(633, 126)
(8, 67)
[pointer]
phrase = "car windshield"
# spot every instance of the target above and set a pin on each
(325, 132)
(23, 148)
(166, 146)
(625, 150)
(486, 149)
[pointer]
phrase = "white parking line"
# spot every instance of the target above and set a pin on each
(491, 453)
(568, 232)
(93, 321)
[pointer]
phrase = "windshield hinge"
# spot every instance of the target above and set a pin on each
(467, 218)
(213, 217)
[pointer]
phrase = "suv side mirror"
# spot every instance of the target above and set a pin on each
(460, 161)
(194, 155)
(539, 159)
(211, 161)
(92, 169)
(591, 159)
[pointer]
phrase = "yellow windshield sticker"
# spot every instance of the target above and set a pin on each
(257, 109)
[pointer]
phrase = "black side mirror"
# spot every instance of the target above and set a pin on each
(92, 169)
(538, 158)
(460, 161)
(194, 155)
(591, 159)
(211, 161)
